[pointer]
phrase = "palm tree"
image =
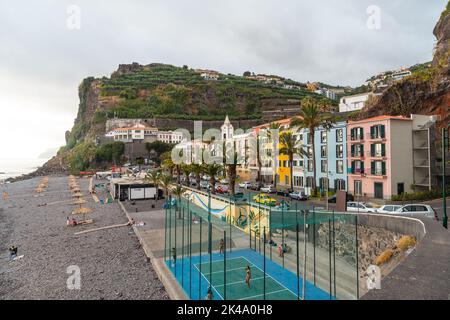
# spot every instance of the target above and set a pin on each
(274, 134)
(178, 191)
(212, 170)
(290, 147)
(165, 181)
(153, 176)
(187, 169)
(310, 118)
(231, 168)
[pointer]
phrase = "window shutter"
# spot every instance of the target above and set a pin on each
(383, 168)
(362, 150)
(361, 133)
(353, 150)
(372, 132)
(383, 131)
(372, 150)
(372, 167)
(353, 167)
(383, 150)
(362, 167)
(352, 134)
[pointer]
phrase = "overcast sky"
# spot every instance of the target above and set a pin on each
(44, 55)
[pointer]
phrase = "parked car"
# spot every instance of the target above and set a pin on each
(360, 207)
(269, 189)
(245, 185)
(389, 208)
(333, 199)
(255, 186)
(418, 210)
(265, 200)
(204, 184)
(283, 192)
(301, 196)
(221, 189)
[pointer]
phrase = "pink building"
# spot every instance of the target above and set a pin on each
(384, 156)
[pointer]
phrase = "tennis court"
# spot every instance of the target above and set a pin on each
(269, 280)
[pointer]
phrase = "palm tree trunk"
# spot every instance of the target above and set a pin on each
(275, 165)
(232, 179)
(212, 185)
(291, 166)
(178, 175)
(313, 144)
(198, 179)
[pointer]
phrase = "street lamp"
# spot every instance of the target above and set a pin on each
(445, 148)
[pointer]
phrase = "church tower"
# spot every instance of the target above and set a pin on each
(227, 129)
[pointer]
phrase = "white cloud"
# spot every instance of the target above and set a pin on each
(42, 61)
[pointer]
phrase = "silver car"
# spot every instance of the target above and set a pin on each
(417, 210)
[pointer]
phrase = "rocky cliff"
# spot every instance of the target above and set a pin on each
(426, 92)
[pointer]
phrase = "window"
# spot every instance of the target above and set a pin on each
(324, 166)
(324, 184)
(357, 134)
(298, 181)
(310, 166)
(357, 150)
(378, 150)
(378, 168)
(340, 166)
(340, 135)
(309, 182)
(339, 184)
(309, 151)
(377, 132)
(339, 151)
(300, 163)
(358, 187)
(323, 136)
(323, 151)
(357, 167)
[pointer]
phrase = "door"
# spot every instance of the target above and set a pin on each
(400, 188)
(378, 187)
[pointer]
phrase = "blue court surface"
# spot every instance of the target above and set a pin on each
(196, 275)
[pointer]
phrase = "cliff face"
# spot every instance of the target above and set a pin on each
(426, 92)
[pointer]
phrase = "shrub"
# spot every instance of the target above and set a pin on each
(406, 242)
(384, 257)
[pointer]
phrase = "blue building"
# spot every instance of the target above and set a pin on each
(331, 158)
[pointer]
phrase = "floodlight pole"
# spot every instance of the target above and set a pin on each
(445, 145)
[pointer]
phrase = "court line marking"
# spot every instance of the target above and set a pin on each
(276, 279)
(209, 284)
(223, 270)
(237, 282)
(250, 264)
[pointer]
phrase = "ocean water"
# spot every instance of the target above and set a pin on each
(16, 167)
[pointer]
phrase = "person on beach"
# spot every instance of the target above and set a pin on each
(12, 253)
(280, 251)
(67, 221)
(209, 295)
(174, 257)
(221, 246)
(248, 276)
(131, 222)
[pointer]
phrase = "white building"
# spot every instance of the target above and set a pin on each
(130, 134)
(353, 103)
(170, 136)
(144, 134)
(227, 130)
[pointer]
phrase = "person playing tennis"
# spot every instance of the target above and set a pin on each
(248, 276)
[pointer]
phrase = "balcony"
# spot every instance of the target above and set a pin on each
(356, 172)
(371, 137)
(421, 163)
(420, 145)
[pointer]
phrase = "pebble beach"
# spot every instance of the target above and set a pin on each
(112, 264)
